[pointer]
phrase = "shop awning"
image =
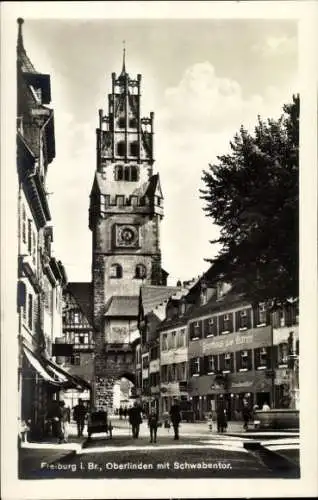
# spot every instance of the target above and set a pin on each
(66, 379)
(38, 366)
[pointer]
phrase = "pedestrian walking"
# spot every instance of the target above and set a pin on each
(79, 415)
(221, 415)
(175, 417)
(153, 425)
(135, 419)
(245, 414)
(63, 419)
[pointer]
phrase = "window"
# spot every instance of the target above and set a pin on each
(243, 319)
(121, 149)
(261, 358)
(134, 174)
(243, 361)
(81, 339)
(29, 236)
(181, 338)
(183, 371)
(227, 362)
(212, 364)
(262, 314)
(196, 331)
(165, 342)
(119, 173)
(134, 149)
(75, 359)
(281, 318)
(121, 122)
(34, 248)
(173, 340)
(141, 271)
(145, 362)
(211, 327)
(195, 367)
(282, 354)
(23, 225)
(226, 323)
(164, 373)
(30, 311)
(116, 271)
(132, 123)
(76, 318)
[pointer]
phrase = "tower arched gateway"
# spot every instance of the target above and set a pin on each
(126, 207)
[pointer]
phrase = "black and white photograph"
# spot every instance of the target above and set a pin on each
(157, 240)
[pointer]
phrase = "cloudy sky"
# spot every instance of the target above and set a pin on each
(202, 78)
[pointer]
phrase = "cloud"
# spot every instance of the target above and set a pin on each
(276, 46)
(198, 118)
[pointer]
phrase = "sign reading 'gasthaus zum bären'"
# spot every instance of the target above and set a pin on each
(252, 339)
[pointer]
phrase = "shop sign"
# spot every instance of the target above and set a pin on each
(251, 339)
(244, 383)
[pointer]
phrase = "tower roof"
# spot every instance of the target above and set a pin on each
(23, 59)
(123, 75)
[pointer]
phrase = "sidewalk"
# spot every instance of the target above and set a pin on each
(32, 454)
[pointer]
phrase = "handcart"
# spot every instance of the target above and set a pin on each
(98, 422)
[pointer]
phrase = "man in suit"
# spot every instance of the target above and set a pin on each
(135, 419)
(175, 417)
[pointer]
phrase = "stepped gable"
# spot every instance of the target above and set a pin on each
(122, 306)
(152, 296)
(82, 292)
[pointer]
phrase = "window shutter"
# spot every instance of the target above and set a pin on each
(221, 324)
(200, 329)
(249, 359)
(191, 329)
(238, 360)
(202, 366)
(237, 321)
(256, 316)
(249, 318)
(257, 357)
(230, 322)
(232, 362)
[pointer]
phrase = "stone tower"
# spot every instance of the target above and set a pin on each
(126, 207)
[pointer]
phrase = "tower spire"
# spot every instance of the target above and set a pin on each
(20, 21)
(123, 71)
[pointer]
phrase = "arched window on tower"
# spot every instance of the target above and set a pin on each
(121, 148)
(141, 271)
(134, 174)
(127, 174)
(134, 148)
(116, 271)
(119, 173)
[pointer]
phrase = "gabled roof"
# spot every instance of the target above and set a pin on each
(82, 292)
(123, 306)
(152, 296)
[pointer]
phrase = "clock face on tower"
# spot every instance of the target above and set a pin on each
(127, 236)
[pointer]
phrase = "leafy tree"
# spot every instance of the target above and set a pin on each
(252, 195)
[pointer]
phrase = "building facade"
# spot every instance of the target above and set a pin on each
(41, 277)
(126, 207)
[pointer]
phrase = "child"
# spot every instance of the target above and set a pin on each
(153, 425)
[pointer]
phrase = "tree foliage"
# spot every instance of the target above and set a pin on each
(252, 195)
